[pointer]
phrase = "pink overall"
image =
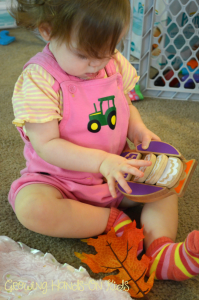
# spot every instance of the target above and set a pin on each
(95, 115)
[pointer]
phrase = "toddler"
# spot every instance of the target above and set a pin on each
(74, 114)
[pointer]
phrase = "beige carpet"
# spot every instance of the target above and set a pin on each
(176, 122)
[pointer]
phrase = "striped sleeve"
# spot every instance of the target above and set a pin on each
(127, 71)
(34, 99)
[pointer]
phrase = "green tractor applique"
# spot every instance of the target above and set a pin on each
(100, 118)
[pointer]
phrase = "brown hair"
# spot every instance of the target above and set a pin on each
(97, 24)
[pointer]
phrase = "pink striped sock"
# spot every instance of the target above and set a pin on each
(119, 220)
(174, 261)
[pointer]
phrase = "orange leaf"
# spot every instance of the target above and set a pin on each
(120, 253)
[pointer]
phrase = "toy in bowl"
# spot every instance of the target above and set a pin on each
(170, 173)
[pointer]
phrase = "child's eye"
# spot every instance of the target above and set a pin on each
(82, 56)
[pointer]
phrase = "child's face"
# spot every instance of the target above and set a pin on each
(71, 60)
(75, 62)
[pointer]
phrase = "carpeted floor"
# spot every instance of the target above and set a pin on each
(176, 122)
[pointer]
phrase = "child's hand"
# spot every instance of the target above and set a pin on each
(114, 167)
(143, 135)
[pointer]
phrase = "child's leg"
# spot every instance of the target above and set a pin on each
(41, 208)
(174, 261)
(160, 218)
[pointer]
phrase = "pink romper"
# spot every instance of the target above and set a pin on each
(95, 115)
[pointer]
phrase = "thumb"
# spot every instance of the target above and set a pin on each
(146, 142)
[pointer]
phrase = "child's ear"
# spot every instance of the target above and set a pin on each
(45, 31)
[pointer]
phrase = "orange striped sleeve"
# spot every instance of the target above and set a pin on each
(34, 99)
(128, 72)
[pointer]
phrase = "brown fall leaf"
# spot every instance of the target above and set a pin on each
(120, 253)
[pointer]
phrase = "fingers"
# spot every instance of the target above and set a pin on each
(122, 182)
(119, 177)
(132, 170)
(115, 168)
(138, 163)
(111, 186)
(147, 139)
(131, 167)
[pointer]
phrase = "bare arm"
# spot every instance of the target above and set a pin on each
(137, 131)
(46, 141)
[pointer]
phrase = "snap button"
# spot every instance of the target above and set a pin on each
(72, 88)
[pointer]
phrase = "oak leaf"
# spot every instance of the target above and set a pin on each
(120, 253)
